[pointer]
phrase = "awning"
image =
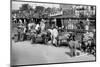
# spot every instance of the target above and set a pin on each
(72, 17)
(63, 16)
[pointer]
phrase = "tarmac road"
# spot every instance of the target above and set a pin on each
(24, 53)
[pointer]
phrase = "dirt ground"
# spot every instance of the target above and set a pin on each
(24, 53)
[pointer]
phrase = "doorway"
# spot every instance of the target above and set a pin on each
(58, 22)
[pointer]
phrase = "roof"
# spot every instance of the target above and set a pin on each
(63, 16)
(72, 17)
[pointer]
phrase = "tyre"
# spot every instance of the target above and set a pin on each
(16, 38)
(58, 42)
(45, 40)
(32, 40)
(22, 37)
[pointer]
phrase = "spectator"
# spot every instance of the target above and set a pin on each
(55, 35)
(37, 27)
(42, 25)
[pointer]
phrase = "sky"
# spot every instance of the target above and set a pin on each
(16, 5)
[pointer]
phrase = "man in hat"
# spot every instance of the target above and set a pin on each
(70, 24)
(42, 25)
(87, 25)
(54, 35)
(31, 26)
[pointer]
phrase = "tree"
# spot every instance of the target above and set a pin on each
(48, 10)
(39, 9)
(26, 7)
(26, 10)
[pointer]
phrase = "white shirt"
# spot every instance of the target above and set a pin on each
(55, 33)
(70, 26)
(86, 27)
(37, 26)
(30, 25)
(42, 25)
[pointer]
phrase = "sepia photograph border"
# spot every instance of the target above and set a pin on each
(48, 63)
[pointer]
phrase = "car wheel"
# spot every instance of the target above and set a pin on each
(32, 40)
(22, 37)
(16, 38)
